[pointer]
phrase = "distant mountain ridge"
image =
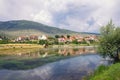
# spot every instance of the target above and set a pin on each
(24, 27)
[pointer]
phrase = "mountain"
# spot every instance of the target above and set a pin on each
(23, 27)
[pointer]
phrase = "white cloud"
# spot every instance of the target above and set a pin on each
(75, 13)
(43, 17)
(103, 12)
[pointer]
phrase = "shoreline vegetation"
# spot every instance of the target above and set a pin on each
(111, 72)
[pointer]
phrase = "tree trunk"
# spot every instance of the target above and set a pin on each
(116, 58)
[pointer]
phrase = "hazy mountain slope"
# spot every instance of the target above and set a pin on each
(24, 27)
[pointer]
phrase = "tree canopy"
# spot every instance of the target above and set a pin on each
(109, 41)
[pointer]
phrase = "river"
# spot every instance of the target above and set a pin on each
(74, 68)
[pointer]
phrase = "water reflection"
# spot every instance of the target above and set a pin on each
(60, 51)
(76, 51)
(69, 69)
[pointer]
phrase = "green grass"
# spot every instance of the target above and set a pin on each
(106, 73)
(16, 49)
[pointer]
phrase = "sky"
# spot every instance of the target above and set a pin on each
(76, 15)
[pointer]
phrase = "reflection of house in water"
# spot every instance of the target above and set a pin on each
(66, 52)
(45, 55)
(62, 51)
(30, 54)
(75, 51)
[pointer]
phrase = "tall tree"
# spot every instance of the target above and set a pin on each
(109, 41)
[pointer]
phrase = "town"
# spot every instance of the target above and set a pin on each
(50, 40)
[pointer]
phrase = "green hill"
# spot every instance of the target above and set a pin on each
(24, 27)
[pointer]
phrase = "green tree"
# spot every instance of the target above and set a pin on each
(68, 36)
(57, 36)
(109, 41)
(51, 40)
(4, 40)
(75, 42)
(56, 41)
(42, 42)
(62, 36)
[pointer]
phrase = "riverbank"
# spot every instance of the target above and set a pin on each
(111, 72)
(13, 46)
(13, 49)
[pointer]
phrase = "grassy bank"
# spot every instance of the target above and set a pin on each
(106, 73)
(13, 46)
(18, 49)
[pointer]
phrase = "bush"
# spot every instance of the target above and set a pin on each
(3, 41)
(75, 42)
(43, 42)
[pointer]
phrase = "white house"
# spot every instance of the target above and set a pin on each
(43, 37)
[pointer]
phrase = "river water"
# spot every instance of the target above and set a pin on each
(68, 69)
(74, 68)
